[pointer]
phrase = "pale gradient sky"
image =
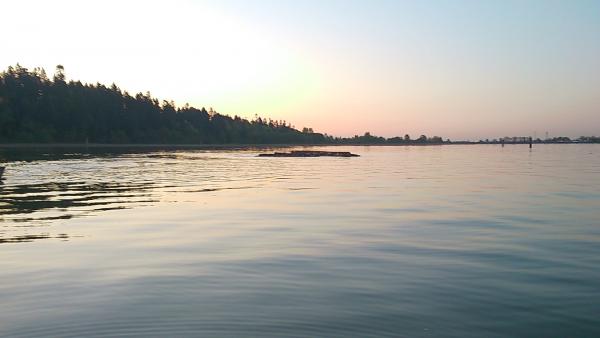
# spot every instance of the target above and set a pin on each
(458, 69)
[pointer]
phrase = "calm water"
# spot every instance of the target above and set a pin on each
(453, 241)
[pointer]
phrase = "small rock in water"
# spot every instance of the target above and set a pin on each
(310, 153)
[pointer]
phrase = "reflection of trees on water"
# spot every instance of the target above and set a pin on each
(46, 185)
(31, 238)
(35, 205)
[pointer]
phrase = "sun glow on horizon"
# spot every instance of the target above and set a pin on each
(190, 53)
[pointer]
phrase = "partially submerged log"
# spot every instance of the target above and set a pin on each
(310, 153)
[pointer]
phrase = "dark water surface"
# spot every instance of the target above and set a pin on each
(439, 241)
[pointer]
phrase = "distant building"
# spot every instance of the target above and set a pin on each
(515, 139)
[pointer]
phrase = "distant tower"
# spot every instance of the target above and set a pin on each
(546, 135)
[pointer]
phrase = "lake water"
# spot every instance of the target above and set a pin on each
(452, 241)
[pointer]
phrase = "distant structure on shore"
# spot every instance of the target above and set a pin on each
(526, 140)
(515, 139)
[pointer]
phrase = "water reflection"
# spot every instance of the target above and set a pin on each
(27, 199)
(44, 186)
(31, 238)
(41, 204)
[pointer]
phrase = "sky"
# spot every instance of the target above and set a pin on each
(457, 69)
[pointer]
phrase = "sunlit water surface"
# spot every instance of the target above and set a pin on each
(453, 241)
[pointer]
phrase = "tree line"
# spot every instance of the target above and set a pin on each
(35, 108)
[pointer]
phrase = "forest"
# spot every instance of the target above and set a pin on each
(35, 108)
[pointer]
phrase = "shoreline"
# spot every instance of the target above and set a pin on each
(245, 145)
(226, 145)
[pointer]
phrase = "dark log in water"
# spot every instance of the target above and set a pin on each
(311, 153)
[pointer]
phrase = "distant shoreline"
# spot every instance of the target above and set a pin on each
(190, 146)
(246, 145)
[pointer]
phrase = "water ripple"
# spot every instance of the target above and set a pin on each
(460, 241)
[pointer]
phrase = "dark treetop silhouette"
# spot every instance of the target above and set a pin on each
(37, 109)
